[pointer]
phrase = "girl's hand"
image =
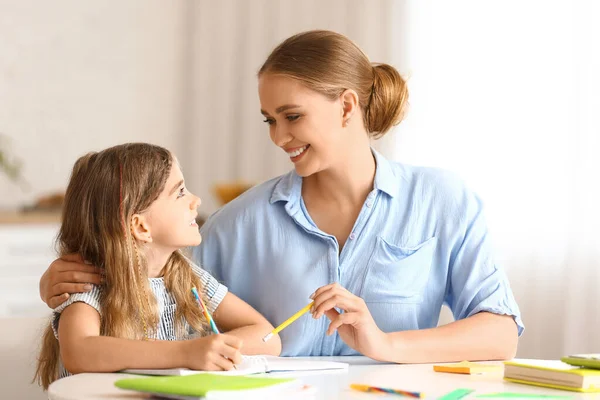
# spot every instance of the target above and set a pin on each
(213, 353)
(355, 325)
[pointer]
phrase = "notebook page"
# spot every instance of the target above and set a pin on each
(281, 364)
(249, 365)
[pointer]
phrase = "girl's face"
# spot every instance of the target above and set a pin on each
(171, 219)
(303, 123)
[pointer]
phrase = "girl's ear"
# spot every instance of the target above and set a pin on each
(349, 99)
(140, 228)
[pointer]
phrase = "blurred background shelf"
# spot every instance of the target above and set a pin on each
(26, 250)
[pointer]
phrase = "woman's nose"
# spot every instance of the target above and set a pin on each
(281, 136)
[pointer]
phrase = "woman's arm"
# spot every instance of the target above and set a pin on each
(82, 349)
(239, 319)
(67, 275)
(483, 336)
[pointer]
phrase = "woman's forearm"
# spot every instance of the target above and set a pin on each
(484, 336)
(252, 337)
(110, 354)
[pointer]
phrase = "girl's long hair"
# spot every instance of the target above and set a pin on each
(105, 190)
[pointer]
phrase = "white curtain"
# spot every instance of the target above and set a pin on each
(503, 93)
(230, 39)
(507, 94)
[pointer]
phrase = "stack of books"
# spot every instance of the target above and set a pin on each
(580, 372)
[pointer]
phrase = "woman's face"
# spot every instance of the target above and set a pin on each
(303, 123)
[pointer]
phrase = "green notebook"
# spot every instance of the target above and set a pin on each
(210, 386)
(583, 360)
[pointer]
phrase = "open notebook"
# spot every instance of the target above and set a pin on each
(254, 365)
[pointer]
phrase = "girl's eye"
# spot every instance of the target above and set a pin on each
(292, 117)
(269, 121)
(181, 192)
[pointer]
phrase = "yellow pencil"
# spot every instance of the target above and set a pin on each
(288, 321)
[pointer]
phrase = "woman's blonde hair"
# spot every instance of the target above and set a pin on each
(329, 63)
(105, 190)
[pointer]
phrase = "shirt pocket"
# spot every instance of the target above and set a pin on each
(398, 274)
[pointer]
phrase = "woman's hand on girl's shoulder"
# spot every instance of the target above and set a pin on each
(213, 353)
(68, 274)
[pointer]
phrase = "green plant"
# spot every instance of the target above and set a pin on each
(9, 165)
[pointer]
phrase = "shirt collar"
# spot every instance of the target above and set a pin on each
(386, 179)
(287, 188)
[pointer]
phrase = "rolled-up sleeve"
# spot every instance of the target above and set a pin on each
(477, 282)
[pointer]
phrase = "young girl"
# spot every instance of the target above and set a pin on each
(128, 212)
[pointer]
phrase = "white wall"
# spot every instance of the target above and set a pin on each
(507, 94)
(77, 76)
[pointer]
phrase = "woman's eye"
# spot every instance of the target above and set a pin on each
(292, 117)
(269, 121)
(181, 192)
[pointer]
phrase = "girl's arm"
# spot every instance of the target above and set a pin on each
(239, 319)
(82, 349)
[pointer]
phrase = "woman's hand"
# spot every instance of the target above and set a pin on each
(68, 274)
(355, 325)
(213, 353)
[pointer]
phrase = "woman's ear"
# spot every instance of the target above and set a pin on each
(349, 99)
(140, 229)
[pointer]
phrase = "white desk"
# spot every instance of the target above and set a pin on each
(331, 385)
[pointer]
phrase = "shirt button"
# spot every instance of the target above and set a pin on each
(369, 204)
(352, 236)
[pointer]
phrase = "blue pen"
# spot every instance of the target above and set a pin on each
(213, 326)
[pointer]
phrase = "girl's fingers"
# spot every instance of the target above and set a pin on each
(222, 363)
(232, 354)
(232, 341)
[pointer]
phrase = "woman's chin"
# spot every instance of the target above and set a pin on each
(305, 171)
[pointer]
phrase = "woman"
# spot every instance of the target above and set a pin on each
(386, 243)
